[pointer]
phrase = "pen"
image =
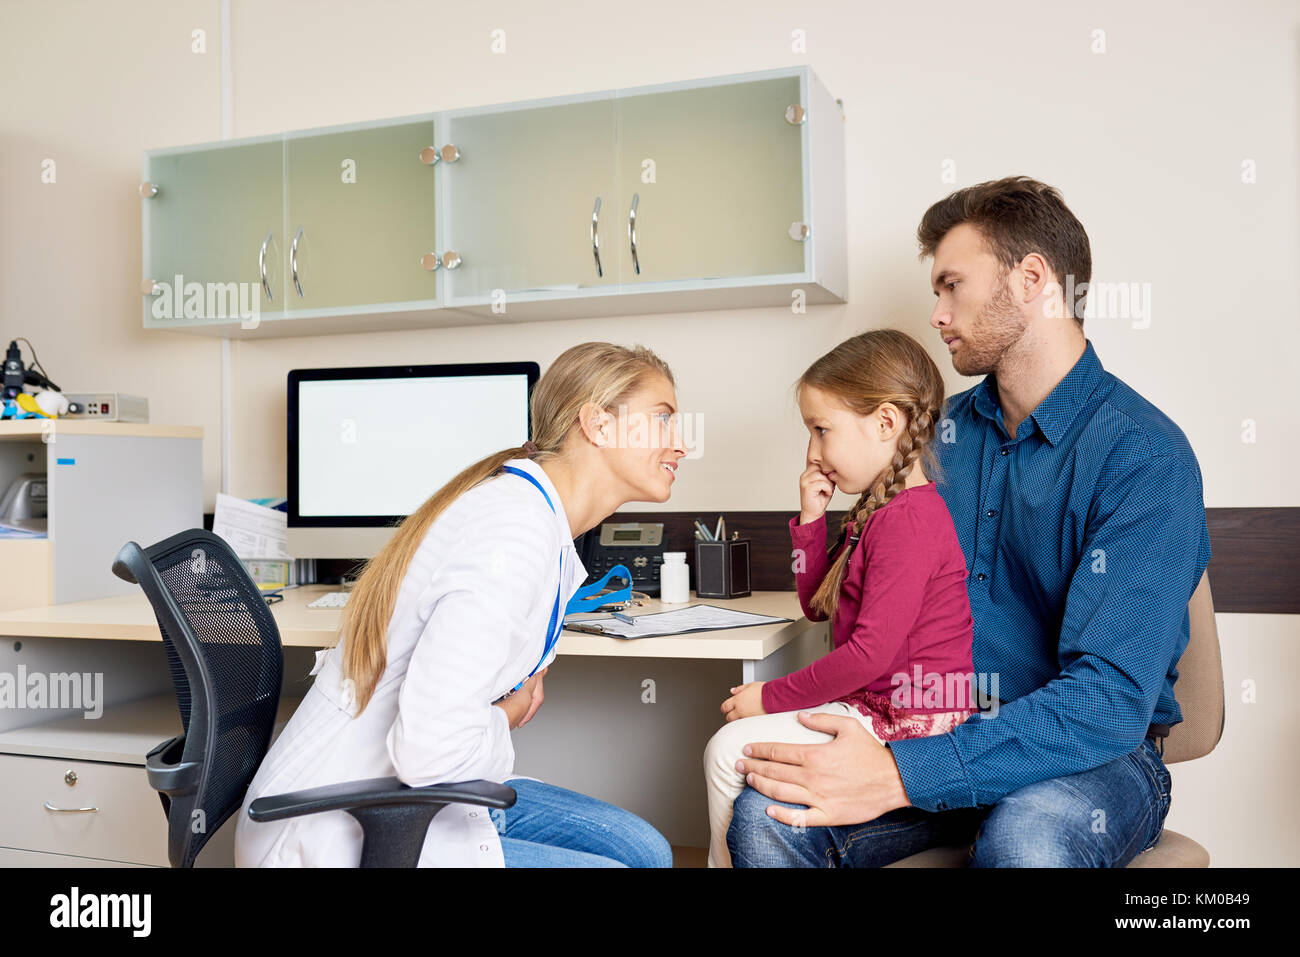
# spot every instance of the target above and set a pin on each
(700, 525)
(717, 534)
(627, 618)
(722, 525)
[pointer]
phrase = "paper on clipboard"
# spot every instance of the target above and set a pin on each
(251, 530)
(675, 622)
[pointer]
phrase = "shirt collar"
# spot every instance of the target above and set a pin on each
(1058, 410)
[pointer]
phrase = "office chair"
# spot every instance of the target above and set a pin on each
(223, 649)
(1199, 691)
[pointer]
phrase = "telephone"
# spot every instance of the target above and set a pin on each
(638, 545)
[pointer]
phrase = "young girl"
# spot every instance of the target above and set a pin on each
(895, 585)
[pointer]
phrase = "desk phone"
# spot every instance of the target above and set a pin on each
(638, 545)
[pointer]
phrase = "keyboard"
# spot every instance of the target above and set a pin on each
(331, 599)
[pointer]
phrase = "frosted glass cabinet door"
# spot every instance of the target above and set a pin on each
(360, 217)
(717, 173)
(214, 210)
(518, 204)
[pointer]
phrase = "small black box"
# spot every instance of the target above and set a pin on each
(722, 569)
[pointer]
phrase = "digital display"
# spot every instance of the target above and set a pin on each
(627, 535)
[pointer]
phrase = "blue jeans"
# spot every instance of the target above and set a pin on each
(550, 826)
(1099, 818)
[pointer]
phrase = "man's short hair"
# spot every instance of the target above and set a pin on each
(1016, 216)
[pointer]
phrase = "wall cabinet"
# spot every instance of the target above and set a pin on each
(708, 194)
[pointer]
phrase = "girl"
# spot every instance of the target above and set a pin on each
(895, 590)
(454, 613)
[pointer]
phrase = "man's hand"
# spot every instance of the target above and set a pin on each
(846, 781)
(746, 701)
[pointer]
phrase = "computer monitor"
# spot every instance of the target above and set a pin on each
(368, 445)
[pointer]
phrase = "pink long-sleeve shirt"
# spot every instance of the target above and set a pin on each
(902, 607)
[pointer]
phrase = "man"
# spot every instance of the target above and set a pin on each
(1080, 510)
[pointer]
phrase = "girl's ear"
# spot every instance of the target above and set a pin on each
(892, 420)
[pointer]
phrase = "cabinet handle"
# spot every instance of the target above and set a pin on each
(293, 261)
(261, 265)
(631, 232)
(431, 157)
(451, 259)
(148, 190)
(431, 262)
(51, 807)
(595, 238)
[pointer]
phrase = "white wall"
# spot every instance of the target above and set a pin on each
(1146, 141)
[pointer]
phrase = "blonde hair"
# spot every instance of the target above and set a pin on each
(598, 372)
(883, 365)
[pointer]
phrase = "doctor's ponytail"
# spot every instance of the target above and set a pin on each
(597, 372)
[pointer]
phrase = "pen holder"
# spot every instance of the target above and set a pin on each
(722, 569)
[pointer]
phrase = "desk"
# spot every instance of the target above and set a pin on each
(624, 721)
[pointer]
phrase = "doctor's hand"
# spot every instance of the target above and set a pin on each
(523, 704)
(815, 491)
(849, 780)
(537, 695)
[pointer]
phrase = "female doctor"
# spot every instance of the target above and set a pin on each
(452, 614)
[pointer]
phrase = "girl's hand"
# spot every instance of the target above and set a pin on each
(746, 701)
(815, 491)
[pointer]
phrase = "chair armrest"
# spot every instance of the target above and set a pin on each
(377, 792)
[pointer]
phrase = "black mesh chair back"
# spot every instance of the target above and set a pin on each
(223, 648)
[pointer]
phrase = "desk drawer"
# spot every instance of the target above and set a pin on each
(129, 824)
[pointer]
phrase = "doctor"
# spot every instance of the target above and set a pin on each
(453, 613)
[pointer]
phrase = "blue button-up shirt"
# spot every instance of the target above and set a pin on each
(1084, 537)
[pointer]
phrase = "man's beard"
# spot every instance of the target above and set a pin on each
(996, 328)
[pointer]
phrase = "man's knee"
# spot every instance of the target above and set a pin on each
(1042, 825)
(755, 839)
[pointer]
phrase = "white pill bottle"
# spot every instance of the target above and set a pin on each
(674, 579)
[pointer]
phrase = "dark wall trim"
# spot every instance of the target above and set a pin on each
(1254, 565)
(1254, 561)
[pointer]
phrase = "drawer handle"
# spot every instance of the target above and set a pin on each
(51, 807)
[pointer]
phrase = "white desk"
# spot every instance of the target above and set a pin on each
(624, 721)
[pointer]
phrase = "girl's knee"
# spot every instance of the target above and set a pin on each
(726, 747)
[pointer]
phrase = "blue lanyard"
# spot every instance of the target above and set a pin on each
(552, 631)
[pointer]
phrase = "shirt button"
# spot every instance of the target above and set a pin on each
(482, 847)
(991, 512)
(981, 576)
(473, 813)
(940, 806)
(1004, 451)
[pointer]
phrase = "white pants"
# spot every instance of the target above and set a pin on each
(726, 747)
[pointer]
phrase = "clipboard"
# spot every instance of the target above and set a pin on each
(677, 621)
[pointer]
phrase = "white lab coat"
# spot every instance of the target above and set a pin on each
(469, 624)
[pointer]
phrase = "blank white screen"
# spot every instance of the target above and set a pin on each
(383, 446)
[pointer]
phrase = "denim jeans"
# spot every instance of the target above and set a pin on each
(1104, 817)
(550, 826)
